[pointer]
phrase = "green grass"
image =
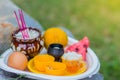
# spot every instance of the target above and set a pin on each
(97, 19)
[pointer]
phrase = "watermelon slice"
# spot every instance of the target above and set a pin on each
(80, 47)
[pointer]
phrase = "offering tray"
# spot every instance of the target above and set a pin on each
(93, 65)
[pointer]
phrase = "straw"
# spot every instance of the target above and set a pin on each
(17, 20)
(23, 23)
(22, 26)
(23, 18)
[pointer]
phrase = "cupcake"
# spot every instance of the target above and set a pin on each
(72, 61)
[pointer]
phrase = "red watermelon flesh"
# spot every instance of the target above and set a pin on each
(80, 47)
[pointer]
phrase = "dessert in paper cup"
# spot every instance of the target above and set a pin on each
(74, 62)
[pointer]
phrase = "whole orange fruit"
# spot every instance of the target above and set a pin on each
(55, 35)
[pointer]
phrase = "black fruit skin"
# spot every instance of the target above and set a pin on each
(56, 50)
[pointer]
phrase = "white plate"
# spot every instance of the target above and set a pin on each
(92, 60)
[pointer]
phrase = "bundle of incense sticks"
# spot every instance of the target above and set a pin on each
(22, 24)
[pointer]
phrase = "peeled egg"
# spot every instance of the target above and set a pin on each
(17, 60)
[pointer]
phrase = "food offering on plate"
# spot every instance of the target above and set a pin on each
(26, 39)
(59, 59)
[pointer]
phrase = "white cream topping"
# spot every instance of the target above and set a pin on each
(72, 56)
(32, 34)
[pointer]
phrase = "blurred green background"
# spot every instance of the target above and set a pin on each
(97, 19)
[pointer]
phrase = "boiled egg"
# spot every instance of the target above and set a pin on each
(17, 60)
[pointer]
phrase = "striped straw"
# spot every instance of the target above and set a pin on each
(22, 26)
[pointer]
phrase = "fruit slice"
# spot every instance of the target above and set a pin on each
(80, 47)
(40, 61)
(55, 68)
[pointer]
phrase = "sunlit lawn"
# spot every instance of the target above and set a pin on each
(97, 19)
